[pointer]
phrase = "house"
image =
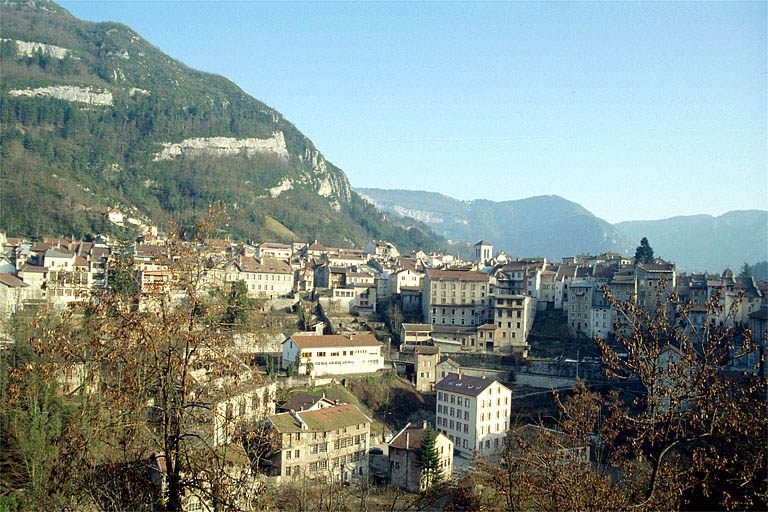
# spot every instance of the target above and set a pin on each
(333, 354)
(473, 412)
(12, 295)
(410, 299)
(380, 250)
(331, 442)
(445, 367)
(274, 250)
(426, 359)
(264, 277)
(219, 417)
(455, 297)
(565, 448)
(115, 216)
(415, 333)
(306, 402)
(404, 470)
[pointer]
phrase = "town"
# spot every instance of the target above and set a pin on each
(308, 330)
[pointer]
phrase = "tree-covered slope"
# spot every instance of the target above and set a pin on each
(547, 226)
(92, 116)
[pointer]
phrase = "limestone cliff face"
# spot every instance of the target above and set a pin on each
(68, 93)
(331, 182)
(224, 146)
(324, 179)
(30, 48)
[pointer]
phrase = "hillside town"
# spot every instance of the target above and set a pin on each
(458, 332)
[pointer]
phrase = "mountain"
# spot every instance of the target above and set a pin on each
(704, 242)
(92, 116)
(548, 226)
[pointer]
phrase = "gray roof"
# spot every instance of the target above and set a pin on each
(464, 384)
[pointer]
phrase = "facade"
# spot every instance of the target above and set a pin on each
(12, 295)
(483, 252)
(380, 250)
(415, 333)
(455, 297)
(426, 358)
(331, 442)
(403, 455)
(264, 277)
(333, 354)
(473, 412)
(579, 305)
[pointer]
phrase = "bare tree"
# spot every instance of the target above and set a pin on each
(150, 361)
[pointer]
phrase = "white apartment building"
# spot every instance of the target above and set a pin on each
(333, 354)
(473, 412)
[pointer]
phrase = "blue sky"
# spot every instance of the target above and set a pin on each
(633, 110)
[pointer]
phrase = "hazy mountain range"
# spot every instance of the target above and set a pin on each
(554, 227)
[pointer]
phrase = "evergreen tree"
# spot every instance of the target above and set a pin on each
(238, 305)
(746, 271)
(644, 252)
(428, 459)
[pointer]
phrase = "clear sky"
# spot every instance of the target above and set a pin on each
(633, 110)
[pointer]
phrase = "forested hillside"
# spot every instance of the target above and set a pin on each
(92, 116)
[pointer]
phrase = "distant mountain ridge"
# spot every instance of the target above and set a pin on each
(554, 227)
(704, 242)
(92, 116)
(544, 226)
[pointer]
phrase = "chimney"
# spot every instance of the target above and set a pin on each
(459, 374)
(424, 424)
(298, 419)
(407, 439)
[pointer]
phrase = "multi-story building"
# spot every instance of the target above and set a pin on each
(333, 354)
(579, 305)
(329, 442)
(404, 470)
(380, 250)
(473, 412)
(455, 297)
(264, 277)
(426, 358)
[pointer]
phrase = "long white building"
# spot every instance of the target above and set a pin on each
(333, 354)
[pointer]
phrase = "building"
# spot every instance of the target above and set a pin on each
(306, 402)
(404, 470)
(483, 252)
(426, 361)
(415, 333)
(380, 250)
(333, 354)
(455, 297)
(331, 442)
(264, 277)
(473, 412)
